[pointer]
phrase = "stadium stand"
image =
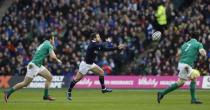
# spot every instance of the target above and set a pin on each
(27, 22)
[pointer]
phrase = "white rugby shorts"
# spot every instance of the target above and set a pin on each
(33, 70)
(84, 67)
(183, 73)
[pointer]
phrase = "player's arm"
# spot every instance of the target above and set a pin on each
(202, 51)
(54, 57)
(107, 46)
(178, 53)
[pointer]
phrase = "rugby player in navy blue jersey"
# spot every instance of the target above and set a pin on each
(88, 64)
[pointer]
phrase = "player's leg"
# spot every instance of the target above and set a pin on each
(32, 71)
(192, 92)
(16, 87)
(96, 69)
(76, 79)
(192, 87)
(183, 72)
(172, 87)
(47, 75)
(83, 69)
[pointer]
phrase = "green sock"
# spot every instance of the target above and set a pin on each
(11, 90)
(171, 88)
(192, 90)
(45, 92)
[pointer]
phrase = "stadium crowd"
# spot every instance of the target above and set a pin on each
(132, 22)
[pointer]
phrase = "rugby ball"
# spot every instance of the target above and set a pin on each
(156, 35)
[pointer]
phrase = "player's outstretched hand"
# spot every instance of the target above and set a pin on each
(121, 46)
(59, 61)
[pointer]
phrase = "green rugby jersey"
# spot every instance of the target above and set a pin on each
(190, 52)
(41, 53)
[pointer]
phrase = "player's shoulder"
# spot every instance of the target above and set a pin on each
(47, 43)
(193, 42)
(196, 42)
(92, 43)
(184, 44)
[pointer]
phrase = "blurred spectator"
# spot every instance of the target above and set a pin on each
(161, 17)
(27, 22)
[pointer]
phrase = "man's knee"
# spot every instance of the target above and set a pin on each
(25, 84)
(101, 72)
(78, 77)
(49, 78)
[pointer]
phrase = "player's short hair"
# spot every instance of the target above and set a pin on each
(50, 36)
(93, 35)
(195, 35)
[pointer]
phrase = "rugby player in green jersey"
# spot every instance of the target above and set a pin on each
(35, 68)
(187, 54)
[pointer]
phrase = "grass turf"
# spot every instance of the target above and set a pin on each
(92, 99)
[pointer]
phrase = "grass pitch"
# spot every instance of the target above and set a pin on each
(93, 99)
